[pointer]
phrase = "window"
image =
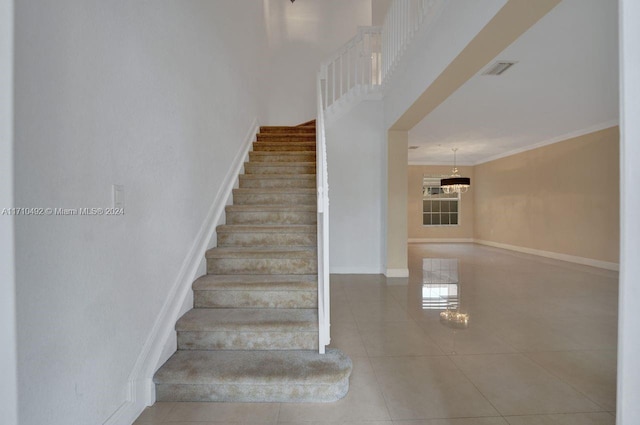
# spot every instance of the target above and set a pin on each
(438, 208)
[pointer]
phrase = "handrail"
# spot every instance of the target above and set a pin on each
(322, 184)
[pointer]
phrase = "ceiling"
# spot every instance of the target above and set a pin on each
(565, 83)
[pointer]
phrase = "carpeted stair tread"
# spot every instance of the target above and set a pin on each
(274, 199)
(294, 168)
(273, 208)
(275, 196)
(278, 181)
(256, 282)
(248, 320)
(291, 164)
(267, 228)
(254, 376)
(275, 190)
(271, 214)
(254, 367)
(282, 156)
(285, 137)
(256, 291)
(262, 252)
(235, 235)
(282, 164)
(289, 146)
(279, 176)
(288, 129)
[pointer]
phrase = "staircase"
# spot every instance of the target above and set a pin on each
(252, 335)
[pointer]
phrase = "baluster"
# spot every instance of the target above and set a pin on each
(341, 73)
(348, 70)
(333, 86)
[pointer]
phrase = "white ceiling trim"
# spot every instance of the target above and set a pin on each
(557, 139)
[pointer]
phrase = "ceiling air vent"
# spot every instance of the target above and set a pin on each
(498, 68)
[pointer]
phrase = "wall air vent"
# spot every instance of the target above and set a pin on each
(498, 68)
(413, 147)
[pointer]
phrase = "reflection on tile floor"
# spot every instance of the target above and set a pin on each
(540, 349)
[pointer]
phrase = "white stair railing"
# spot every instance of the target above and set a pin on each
(322, 183)
(354, 69)
(403, 19)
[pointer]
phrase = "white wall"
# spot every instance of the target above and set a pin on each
(379, 10)
(432, 50)
(356, 152)
(156, 96)
(8, 361)
(357, 141)
(300, 36)
(628, 409)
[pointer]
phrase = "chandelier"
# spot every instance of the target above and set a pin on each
(455, 183)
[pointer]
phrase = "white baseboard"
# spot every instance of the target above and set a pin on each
(440, 240)
(356, 270)
(554, 255)
(397, 273)
(141, 391)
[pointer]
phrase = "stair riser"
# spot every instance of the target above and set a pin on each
(282, 157)
(239, 239)
(271, 217)
(272, 393)
(255, 299)
(267, 183)
(287, 130)
(261, 266)
(274, 198)
(275, 137)
(265, 168)
(284, 147)
(235, 340)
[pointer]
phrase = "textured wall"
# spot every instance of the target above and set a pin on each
(300, 36)
(561, 198)
(356, 151)
(8, 352)
(156, 96)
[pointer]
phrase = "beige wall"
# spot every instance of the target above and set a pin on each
(414, 213)
(397, 262)
(561, 198)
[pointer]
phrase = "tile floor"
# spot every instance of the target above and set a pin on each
(540, 349)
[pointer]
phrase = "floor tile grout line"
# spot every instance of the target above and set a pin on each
(278, 414)
(382, 392)
(173, 407)
(565, 382)
(476, 387)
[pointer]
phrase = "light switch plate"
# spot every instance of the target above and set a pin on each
(118, 196)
